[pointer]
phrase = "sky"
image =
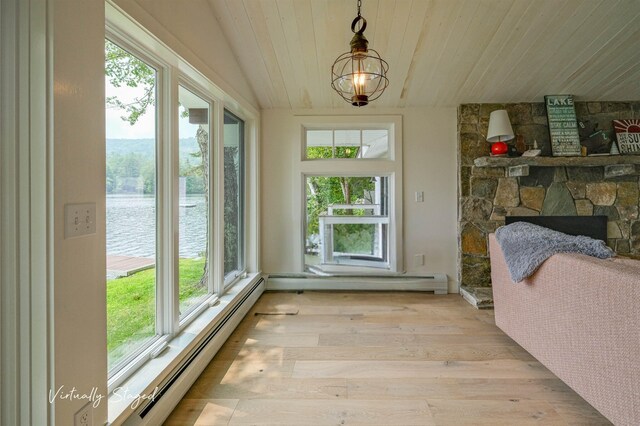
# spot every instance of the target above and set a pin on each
(116, 128)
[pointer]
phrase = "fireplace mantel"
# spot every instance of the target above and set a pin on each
(491, 188)
(605, 160)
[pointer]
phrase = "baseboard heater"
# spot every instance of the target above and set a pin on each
(291, 282)
(175, 375)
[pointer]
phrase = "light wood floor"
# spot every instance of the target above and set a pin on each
(376, 359)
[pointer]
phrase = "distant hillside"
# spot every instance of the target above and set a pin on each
(146, 147)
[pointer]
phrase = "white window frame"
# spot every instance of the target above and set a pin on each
(125, 32)
(333, 130)
(390, 167)
(211, 295)
(230, 279)
(163, 73)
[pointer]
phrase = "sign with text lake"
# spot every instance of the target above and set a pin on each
(563, 125)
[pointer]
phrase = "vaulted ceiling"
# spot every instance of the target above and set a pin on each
(440, 52)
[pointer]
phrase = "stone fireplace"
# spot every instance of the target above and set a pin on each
(491, 188)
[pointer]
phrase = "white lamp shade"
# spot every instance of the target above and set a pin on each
(499, 127)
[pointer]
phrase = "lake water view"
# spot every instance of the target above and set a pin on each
(131, 225)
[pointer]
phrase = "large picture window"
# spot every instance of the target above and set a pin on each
(193, 200)
(131, 168)
(234, 192)
(161, 250)
(181, 209)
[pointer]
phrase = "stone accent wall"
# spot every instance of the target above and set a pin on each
(487, 194)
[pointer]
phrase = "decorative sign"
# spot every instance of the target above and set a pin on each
(628, 135)
(595, 141)
(563, 125)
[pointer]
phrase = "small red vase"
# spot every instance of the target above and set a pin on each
(499, 148)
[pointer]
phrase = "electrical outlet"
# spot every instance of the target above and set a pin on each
(84, 417)
(419, 196)
(418, 260)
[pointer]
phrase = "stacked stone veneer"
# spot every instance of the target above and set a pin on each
(487, 194)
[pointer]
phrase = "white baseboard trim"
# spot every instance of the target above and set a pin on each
(434, 282)
(159, 413)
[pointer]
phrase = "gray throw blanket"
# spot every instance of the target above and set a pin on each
(526, 246)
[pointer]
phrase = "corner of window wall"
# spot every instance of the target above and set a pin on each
(363, 154)
(180, 173)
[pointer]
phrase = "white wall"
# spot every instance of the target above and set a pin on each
(429, 156)
(80, 347)
(79, 306)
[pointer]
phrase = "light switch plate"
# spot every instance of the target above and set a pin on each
(80, 219)
(419, 196)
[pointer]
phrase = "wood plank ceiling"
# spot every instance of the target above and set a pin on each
(440, 52)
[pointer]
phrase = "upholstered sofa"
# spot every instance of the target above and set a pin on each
(580, 317)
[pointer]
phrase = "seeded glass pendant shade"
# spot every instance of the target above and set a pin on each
(360, 75)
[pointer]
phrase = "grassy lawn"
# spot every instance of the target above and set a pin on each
(131, 306)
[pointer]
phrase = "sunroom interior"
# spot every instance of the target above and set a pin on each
(181, 176)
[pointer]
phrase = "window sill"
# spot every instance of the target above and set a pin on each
(122, 400)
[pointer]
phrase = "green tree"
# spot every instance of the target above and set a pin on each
(323, 191)
(124, 69)
(231, 208)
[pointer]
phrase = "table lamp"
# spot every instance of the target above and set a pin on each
(500, 130)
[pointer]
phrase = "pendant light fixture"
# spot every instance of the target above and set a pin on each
(360, 75)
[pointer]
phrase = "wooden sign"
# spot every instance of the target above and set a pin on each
(628, 135)
(595, 141)
(563, 125)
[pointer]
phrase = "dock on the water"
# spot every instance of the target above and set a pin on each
(123, 266)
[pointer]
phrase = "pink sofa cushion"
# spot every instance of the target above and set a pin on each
(580, 317)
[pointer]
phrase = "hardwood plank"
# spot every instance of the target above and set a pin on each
(472, 352)
(388, 324)
(355, 327)
(407, 353)
(500, 369)
(577, 412)
(318, 412)
(342, 339)
(202, 412)
(334, 364)
(491, 412)
(220, 371)
(551, 390)
(292, 340)
(243, 353)
(270, 388)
